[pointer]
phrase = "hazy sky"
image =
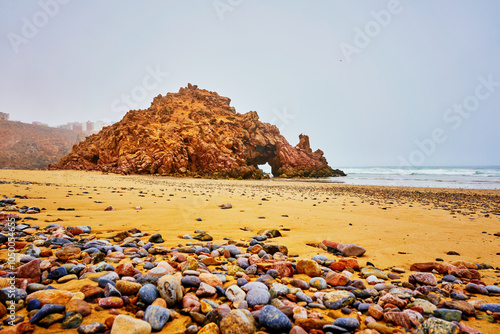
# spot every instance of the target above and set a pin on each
(373, 83)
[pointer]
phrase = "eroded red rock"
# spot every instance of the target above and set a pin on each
(195, 132)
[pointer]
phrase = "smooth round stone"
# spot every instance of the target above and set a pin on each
(72, 320)
(435, 325)
(154, 274)
(190, 281)
(241, 282)
(233, 250)
(156, 316)
(338, 299)
(191, 273)
(301, 296)
(363, 307)
(109, 267)
(128, 288)
(449, 278)
(348, 323)
(492, 307)
(33, 304)
(458, 296)
(254, 285)
(79, 306)
(334, 329)
(242, 262)
(170, 289)
(33, 287)
(93, 328)
(319, 258)
(148, 265)
(67, 278)
(257, 297)
(127, 324)
(45, 311)
(273, 273)
(318, 283)
(448, 315)
(278, 290)
(102, 282)
(476, 288)
(148, 293)
(57, 273)
(235, 293)
(111, 302)
(111, 276)
(251, 270)
(50, 320)
(370, 271)
(221, 277)
(51, 296)
(274, 320)
(493, 289)
(298, 283)
(383, 286)
(238, 322)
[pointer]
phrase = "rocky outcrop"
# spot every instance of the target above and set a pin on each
(195, 132)
(29, 146)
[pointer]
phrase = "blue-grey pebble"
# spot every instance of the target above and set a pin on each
(257, 297)
(274, 320)
(348, 323)
(190, 281)
(156, 316)
(149, 293)
(93, 328)
(46, 310)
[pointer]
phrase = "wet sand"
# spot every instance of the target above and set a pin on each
(397, 226)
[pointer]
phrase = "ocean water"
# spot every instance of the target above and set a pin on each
(487, 177)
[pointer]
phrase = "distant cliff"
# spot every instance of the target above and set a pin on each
(29, 146)
(195, 132)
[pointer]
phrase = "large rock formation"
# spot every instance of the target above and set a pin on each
(30, 146)
(195, 132)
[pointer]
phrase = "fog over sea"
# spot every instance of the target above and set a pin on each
(484, 177)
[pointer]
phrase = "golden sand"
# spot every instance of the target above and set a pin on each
(397, 226)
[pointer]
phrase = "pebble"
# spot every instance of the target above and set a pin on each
(156, 316)
(93, 328)
(274, 320)
(72, 320)
(318, 283)
(238, 322)
(170, 289)
(46, 310)
(348, 323)
(338, 299)
(448, 315)
(257, 296)
(129, 325)
(50, 320)
(148, 293)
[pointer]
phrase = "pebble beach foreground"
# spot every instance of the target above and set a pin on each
(92, 253)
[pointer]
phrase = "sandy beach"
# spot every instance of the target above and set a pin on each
(397, 226)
